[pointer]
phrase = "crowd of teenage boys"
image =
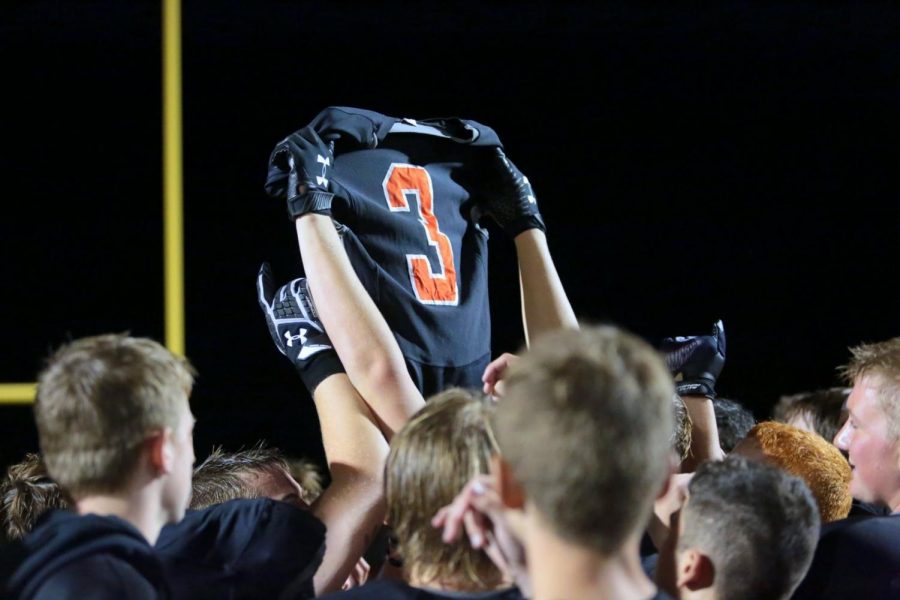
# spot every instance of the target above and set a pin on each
(590, 466)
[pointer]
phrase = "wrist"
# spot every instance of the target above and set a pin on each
(524, 224)
(314, 202)
(531, 237)
(696, 386)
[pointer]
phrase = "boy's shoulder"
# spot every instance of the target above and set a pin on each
(91, 555)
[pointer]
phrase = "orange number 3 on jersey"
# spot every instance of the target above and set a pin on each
(429, 286)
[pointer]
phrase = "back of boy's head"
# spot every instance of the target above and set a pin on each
(585, 427)
(733, 421)
(822, 411)
(432, 457)
(98, 399)
(758, 524)
(25, 494)
(225, 476)
(808, 456)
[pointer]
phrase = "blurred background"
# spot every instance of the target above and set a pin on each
(693, 161)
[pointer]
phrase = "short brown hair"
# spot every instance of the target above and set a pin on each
(756, 523)
(586, 428)
(881, 360)
(223, 475)
(823, 409)
(26, 493)
(812, 459)
(97, 400)
(432, 457)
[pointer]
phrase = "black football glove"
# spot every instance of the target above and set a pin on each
(298, 172)
(507, 196)
(295, 328)
(696, 361)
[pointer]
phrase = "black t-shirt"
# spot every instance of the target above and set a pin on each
(403, 196)
(397, 590)
(856, 558)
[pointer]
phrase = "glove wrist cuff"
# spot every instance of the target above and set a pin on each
(514, 228)
(695, 388)
(310, 202)
(318, 368)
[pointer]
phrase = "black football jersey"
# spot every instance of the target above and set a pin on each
(404, 190)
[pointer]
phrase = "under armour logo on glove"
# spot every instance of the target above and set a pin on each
(531, 198)
(326, 162)
(293, 338)
(294, 323)
(306, 348)
(298, 173)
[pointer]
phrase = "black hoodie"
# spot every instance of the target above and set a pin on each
(243, 549)
(90, 556)
(240, 549)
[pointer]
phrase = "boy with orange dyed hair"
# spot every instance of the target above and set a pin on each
(809, 457)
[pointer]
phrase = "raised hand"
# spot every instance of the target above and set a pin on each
(295, 327)
(299, 168)
(507, 196)
(696, 361)
(478, 512)
(495, 372)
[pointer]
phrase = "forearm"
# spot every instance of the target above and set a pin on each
(352, 507)
(545, 306)
(361, 337)
(704, 432)
(667, 505)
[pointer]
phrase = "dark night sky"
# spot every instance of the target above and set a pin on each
(733, 159)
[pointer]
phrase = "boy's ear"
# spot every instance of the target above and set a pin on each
(511, 493)
(696, 571)
(160, 452)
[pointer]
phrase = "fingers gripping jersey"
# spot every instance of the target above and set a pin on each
(403, 196)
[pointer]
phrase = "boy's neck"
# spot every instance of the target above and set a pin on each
(136, 508)
(561, 569)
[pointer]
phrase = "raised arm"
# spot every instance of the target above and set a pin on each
(696, 362)
(545, 306)
(352, 507)
(360, 335)
(509, 198)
